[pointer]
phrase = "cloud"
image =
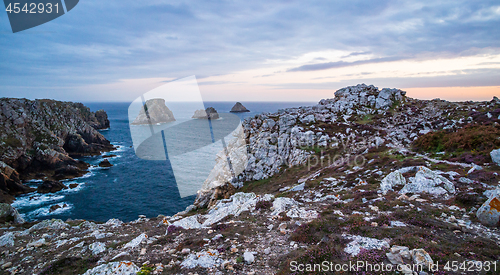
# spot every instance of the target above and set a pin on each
(101, 42)
(340, 64)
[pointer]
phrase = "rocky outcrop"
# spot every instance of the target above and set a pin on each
(41, 137)
(10, 184)
(425, 181)
(154, 111)
(51, 187)
(210, 112)
(105, 163)
(239, 108)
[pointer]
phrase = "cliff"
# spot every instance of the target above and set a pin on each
(369, 175)
(39, 138)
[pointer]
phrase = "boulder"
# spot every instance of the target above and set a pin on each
(422, 258)
(7, 239)
(116, 268)
(210, 112)
(239, 108)
(53, 224)
(9, 213)
(105, 163)
(50, 187)
(248, 257)
(427, 181)
(154, 111)
(489, 213)
(390, 181)
(495, 156)
(97, 248)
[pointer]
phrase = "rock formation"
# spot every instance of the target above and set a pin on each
(41, 136)
(205, 114)
(239, 108)
(154, 111)
(105, 163)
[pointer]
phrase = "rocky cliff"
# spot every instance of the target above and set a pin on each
(370, 175)
(40, 137)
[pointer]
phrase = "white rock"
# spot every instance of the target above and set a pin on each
(427, 181)
(248, 257)
(54, 224)
(489, 213)
(7, 239)
(97, 248)
(235, 205)
(390, 181)
(205, 259)
(37, 243)
(357, 242)
(114, 268)
(190, 222)
(267, 251)
(300, 212)
(421, 257)
(136, 242)
(114, 222)
(495, 156)
(282, 204)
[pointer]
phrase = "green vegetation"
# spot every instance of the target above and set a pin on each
(471, 144)
(146, 270)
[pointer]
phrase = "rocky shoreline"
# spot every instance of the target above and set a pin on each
(41, 138)
(370, 175)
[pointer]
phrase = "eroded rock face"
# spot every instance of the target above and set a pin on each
(42, 135)
(239, 108)
(157, 112)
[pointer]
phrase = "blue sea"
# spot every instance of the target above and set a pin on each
(132, 186)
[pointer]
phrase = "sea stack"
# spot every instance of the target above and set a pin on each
(157, 110)
(210, 112)
(239, 108)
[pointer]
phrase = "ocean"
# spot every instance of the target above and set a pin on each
(131, 187)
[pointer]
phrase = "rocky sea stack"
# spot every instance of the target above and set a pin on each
(39, 139)
(210, 112)
(239, 108)
(154, 111)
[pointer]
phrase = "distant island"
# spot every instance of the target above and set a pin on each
(210, 112)
(154, 111)
(239, 108)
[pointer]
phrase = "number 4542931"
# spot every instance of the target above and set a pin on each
(32, 8)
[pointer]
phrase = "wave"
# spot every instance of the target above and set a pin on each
(35, 199)
(45, 211)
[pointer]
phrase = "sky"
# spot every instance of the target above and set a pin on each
(256, 50)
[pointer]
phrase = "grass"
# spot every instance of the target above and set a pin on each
(471, 144)
(366, 119)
